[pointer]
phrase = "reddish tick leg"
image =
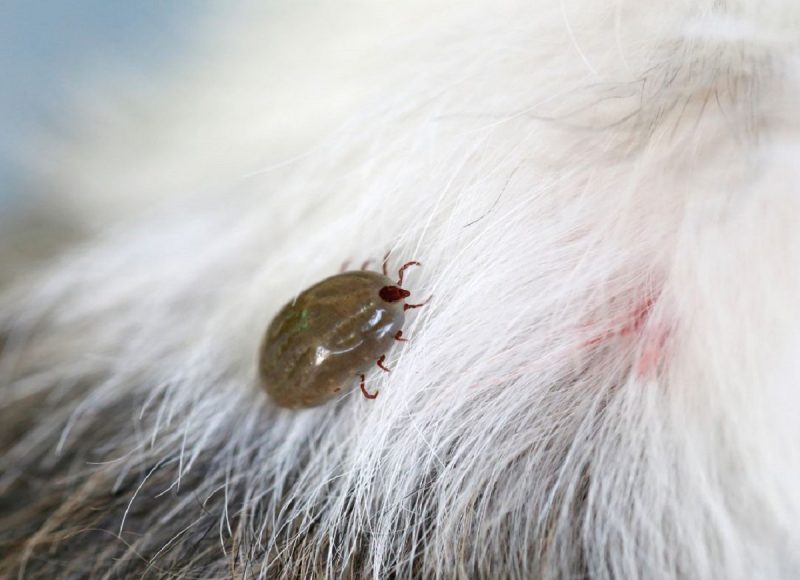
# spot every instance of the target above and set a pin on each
(399, 336)
(410, 306)
(380, 363)
(365, 264)
(345, 264)
(365, 392)
(403, 269)
(385, 261)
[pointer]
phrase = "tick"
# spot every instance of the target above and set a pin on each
(332, 333)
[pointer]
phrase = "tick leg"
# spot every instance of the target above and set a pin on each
(410, 306)
(403, 269)
(345, 264)
(385, 261)
(380, 363)
(365, 392)
(399, 336)
(365, 264)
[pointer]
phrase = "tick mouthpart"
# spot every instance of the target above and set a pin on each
(393, 293)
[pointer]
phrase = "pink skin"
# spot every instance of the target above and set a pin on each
(652, 353)
(653, 337)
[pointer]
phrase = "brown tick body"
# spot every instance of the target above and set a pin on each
(329, 335)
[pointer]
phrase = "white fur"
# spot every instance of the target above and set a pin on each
(553, 165)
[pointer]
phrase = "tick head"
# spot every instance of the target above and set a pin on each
(393, 293)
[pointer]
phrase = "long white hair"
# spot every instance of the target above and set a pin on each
(604, 198)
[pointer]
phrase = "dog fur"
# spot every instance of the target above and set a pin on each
(604, 197)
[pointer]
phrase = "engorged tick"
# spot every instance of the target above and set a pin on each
(331, 334)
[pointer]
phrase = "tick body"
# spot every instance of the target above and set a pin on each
(319, 344)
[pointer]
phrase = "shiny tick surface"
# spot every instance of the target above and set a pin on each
(326, 338)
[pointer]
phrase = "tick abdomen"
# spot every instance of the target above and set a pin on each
(318, 343)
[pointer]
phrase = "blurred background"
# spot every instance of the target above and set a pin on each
(53, 55)
(110, 110)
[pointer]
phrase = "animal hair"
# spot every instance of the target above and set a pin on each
(603, 197)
